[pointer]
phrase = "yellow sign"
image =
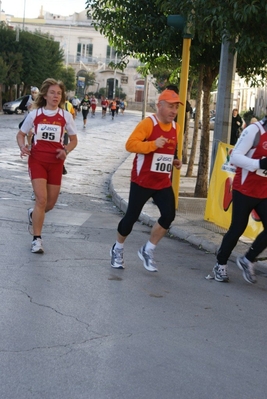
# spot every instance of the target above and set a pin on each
(218, 207)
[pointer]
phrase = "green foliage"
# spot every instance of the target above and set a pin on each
(42, 58)
(67, 75)
(31, 59)
(164, 72)
(140, 29)
(118, 93)
(3, 69)
(243, 23)
(136, 29)
(89, 78)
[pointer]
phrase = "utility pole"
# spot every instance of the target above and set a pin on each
(224, 104)
(23, 22)
(145, 98)
(180, 23)
(114, 84)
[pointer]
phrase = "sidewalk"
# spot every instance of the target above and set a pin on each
(189, 224)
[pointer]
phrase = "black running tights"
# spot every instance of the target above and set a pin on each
(138, 196)
(242, 207)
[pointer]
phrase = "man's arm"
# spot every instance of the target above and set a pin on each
(137, 142)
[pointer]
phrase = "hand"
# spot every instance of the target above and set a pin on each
(24, 150)
(61, 154)
(160, 142)
(263, 163)
(177, 164)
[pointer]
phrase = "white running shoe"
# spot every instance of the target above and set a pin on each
(116, 258)
(37, 246)
(220, 273)
(247, 268)
(30, 228)
(148, 259)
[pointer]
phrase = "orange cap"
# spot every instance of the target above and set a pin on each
(170, 96)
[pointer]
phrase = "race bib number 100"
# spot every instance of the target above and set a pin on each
(50, 133)
(162, 163)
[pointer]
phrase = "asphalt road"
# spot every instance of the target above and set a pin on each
(72, 327)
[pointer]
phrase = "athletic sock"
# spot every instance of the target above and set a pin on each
(118, 245)
(149, 246)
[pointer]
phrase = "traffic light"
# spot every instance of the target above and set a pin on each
(179, 22)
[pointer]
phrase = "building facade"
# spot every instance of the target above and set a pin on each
(86, 50)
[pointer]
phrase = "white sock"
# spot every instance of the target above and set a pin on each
(118, 245)
(149, 246)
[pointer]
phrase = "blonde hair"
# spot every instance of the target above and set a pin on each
(41, 101)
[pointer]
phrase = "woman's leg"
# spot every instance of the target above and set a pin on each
(260, 243)
(46, 182)
(46, 196)
(242, 207)
(38, 214)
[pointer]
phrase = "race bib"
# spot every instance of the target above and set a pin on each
(48, 132)
(85, 107)
(162, 163)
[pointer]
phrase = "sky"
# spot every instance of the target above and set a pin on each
(33, 7)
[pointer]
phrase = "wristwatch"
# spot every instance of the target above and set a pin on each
(66, 151)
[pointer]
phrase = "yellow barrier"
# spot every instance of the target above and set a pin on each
(218, 207)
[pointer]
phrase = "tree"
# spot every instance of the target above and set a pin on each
(150, 38)
(42, 58)
(30, 59)
(67, 75)
(3, 74)
(88, 79)
(136, 29)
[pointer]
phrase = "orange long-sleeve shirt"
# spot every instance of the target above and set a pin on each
(137, 142)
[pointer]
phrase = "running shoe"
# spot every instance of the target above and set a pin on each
(37, 246)
(30, 228)
(116, 258)
(220, 273)
(148, 259)
(247, 268)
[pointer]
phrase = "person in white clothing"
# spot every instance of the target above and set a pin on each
(76, 105)
(47, 153)
(249, 194)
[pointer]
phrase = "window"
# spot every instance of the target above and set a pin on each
(84, 52)
(111, 54)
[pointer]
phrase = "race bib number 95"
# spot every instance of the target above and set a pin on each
(162, 163)
(50, 133)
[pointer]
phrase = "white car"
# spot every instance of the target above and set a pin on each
(12, 107)
(212, 123)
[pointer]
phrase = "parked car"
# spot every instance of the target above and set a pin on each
(212, 123)
(12, 107)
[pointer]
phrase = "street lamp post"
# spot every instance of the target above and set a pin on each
(23, 22)
(180, 23)
(114, 85)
